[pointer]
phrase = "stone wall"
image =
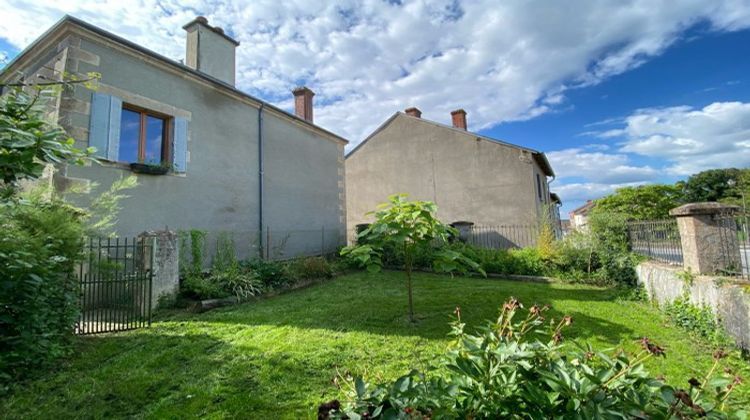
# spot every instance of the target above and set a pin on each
(728, 300)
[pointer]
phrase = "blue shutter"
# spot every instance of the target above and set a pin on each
(99, 124)
(179, 159)
(104, 126)
(115, 114)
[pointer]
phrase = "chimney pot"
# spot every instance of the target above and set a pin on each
(459, 119)
(414, 112)
(303, 103)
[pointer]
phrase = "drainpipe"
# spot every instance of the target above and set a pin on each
(260, 181)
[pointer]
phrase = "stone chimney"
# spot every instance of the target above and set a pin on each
(414, 112)
(303, 103)
(209, 50)
(459, 119)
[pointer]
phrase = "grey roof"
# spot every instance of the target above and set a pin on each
(540, 157)
(120, 40)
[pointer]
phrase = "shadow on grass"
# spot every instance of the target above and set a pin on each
(377, 304)
(147, 374)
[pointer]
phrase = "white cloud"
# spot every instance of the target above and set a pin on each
(501, 61)
(690, 139)
(687, 140)
(598, 167)
(582, 191)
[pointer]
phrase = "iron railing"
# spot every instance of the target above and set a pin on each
(734, 244)
(488, 236)
(502, 236)
(656, 239)
(115, 285)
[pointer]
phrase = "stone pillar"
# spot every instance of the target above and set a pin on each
(709, 243)
(165, 270)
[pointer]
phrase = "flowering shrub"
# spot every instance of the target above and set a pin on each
(514, 369)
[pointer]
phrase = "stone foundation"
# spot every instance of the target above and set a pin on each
(728, 300)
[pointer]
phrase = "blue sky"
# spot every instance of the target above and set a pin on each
(701, 69)
(615, 92)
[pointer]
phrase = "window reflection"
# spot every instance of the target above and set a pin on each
(141, 137)
(154, 139)
(130, 133)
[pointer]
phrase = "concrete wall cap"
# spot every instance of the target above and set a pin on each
(695, 209)
(158, 233)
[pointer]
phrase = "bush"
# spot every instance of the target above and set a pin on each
(40, 243)
(609, 236)
(697, 319)
(237, 281)
(309, 268)
(576, 259)
(271, 274)
(599, 256)
(511, 370)
(201, 286)
(192, 246)
(227, 276)
(527, 261)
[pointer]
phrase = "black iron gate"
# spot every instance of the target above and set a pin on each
(115, 285)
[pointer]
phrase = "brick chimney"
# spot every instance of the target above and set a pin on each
(303, 103)
(459, 119)
(414, 112)
(209, 50)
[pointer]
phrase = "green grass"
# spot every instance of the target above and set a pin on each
(279, 358)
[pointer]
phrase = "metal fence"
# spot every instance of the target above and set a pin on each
(656, 239)
(734, 240)
(487, 236)
(115, 285)
(501, 236)
(271, 244)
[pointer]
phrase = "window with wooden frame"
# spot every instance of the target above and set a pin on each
(144, 136)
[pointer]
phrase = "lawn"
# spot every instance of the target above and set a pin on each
(279, 358)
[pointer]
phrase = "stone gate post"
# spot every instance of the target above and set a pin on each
(165, 281)
(709, 244)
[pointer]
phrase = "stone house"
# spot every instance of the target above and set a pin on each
(471, 178)
(231, 162)
(579, 217)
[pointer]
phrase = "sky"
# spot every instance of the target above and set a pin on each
(616, 93)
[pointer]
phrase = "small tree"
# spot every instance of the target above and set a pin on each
(407, 225)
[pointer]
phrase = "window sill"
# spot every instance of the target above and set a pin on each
(146, 169)
(128, 167)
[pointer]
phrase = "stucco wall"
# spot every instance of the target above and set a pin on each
(729, 302)
(219, 191)
(469, 179)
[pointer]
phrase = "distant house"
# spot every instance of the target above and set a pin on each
(232, 162)
(579, 218)
(472, 178)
